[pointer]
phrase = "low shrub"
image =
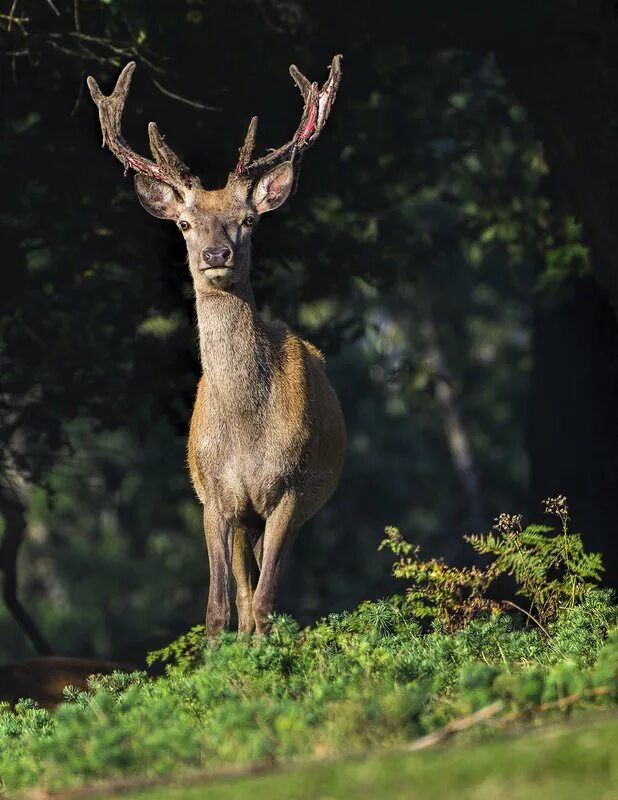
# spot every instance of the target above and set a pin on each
(374, 676)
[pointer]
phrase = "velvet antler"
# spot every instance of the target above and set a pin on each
(317, 105)
(166, 167)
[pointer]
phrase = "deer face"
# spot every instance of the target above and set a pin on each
(217, 224)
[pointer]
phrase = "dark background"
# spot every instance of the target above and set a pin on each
(452, 248)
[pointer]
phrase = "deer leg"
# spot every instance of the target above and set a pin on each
(257, 540)
(246, 574)
(218, 535)
(278, 536)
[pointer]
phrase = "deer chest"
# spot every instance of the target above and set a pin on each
(244, 474)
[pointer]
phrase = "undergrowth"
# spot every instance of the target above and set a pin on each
(379, 675)
(552, 570)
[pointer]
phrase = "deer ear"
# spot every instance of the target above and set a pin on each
(158, 198)
(273, 188)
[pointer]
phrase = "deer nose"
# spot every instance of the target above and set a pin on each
(216, 256)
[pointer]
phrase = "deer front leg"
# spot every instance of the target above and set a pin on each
(246, 572)
(278, 536)
(218, 535)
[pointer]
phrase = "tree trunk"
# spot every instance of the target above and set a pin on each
(573, 432)
(455, 432)
(14, 533)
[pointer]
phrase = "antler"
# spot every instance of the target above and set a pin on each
(317, 106)
(167, 166)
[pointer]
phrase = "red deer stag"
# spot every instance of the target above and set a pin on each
(267, 436)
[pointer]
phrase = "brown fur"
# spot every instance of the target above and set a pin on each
(43, 679)
(267, 437)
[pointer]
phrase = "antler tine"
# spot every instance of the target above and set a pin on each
(303, 83)
(317, 106)
(165, 156)
(167, 166)
(246, 151)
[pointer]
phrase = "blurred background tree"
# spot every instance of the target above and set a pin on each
(449, 248)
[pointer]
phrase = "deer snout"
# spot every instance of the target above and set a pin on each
(216, 256)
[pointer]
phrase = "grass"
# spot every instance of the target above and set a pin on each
(350, 685)
(368, 681)
(566, 762)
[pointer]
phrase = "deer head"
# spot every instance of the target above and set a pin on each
(217, 223)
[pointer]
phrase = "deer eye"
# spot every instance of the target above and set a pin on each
(249, 220)
(183, 225)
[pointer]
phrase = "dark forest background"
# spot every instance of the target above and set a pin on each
(452, 248)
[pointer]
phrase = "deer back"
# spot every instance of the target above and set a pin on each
(44, 679)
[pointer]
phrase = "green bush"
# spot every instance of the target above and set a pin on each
(374, 676)
(552, 570)
(352, 681)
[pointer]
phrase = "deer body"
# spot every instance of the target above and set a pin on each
(267, 436)
(265, 416)
(266, 447)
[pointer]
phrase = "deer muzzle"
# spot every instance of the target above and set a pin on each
(215, 257)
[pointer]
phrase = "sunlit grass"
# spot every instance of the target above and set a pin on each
(557, 763)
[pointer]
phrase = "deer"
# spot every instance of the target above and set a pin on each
(44, 678)
(267, 436)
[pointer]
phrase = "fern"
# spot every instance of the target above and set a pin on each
(452, 595)
(551, 568)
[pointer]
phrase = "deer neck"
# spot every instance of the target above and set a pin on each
(236, 351)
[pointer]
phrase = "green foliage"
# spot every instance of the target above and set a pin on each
(552, 571)
(352, 681)
(566, 257)
(452, 595)
(564, 762)
(182, 651)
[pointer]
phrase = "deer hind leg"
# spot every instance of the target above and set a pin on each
(257, 541)
(246, 573)
(218, 534)
(278, 536)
